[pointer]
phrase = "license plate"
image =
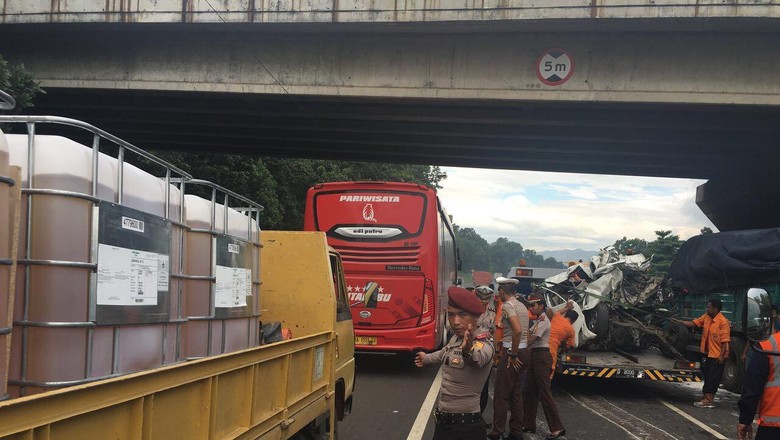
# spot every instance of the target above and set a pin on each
(630, 373)
(365, 340)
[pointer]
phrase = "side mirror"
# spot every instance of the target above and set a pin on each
(459, 281)
(758, 322)
(7, 102)
(370, 292)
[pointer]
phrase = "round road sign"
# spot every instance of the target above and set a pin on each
(554, 67)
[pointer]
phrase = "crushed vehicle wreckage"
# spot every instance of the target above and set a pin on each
(623, 307)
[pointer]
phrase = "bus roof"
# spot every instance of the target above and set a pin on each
(373, 184)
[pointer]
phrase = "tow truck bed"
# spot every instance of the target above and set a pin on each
(650, 365)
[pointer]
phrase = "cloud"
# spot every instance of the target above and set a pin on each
(545, 211)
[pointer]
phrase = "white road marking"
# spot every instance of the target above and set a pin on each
(418, 429)
(602, 416)
(638, 418)
(693, 420)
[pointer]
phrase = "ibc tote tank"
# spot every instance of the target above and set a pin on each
(221, 267)
(5, 265)
(96, 298)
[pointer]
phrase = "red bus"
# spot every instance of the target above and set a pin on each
(395, 238)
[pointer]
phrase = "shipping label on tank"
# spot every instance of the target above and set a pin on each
(133, 273)
(233, 290)
(233, 286)
(127, 277)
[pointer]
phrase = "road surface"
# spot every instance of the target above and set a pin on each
(391, 393)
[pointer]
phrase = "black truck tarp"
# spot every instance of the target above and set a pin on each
(711, 261)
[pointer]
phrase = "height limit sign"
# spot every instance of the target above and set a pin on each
(554, 67)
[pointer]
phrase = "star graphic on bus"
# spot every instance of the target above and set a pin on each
(349, 288)
(381, 290)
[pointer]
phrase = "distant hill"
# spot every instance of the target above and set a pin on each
(567, 255)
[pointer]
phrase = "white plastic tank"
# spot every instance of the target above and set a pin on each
(71, 328)
(214, 264)
(6, 298)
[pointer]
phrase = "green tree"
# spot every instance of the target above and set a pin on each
(706, 230)
(474, 250)
(664, 250)
(17, 82)
(637, 245)
(280, 184)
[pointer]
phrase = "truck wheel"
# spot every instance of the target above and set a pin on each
(597, 320)
(735, 367)
(677, 336)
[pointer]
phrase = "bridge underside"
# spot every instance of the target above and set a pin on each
(733, 146)
(696, 141)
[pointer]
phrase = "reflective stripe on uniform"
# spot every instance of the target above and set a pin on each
(774, 378)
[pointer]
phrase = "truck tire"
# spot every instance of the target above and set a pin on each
(597, 320)
(734, 369)
(677, 335)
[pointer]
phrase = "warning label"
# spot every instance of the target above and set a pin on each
(128, 277)
(234, 284)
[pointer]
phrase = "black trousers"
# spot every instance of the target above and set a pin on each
(483, 398)
(712, 372)
(466, 431)
(767, 433)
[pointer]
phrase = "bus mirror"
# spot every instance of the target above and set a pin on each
(370, 294)
(759, 314)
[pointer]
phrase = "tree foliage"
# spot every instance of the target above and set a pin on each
(280, 184)
(636, 245)
(17, 82)
(476, 253)
(663, 249)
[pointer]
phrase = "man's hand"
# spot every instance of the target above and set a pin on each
(744, 432)
(721, 360)
(467, 340)
(514, 363)
(418, 360)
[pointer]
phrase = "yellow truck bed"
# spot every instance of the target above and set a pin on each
(268, 392)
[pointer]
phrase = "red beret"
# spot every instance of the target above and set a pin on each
(465, 300)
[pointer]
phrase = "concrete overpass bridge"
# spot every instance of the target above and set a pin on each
(674, 88)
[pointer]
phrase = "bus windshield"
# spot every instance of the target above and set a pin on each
(370, 215)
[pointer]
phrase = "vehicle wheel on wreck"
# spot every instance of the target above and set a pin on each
(735, 366)
(597, 320)
(677, 335)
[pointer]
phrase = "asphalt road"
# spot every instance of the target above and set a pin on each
(390, 392)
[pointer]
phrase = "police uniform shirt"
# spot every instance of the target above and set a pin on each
(488, 319)
(541, 328)
(463, 376)
(513, 307)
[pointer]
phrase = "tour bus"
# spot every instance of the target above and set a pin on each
(397, 243)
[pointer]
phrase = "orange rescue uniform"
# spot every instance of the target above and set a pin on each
(716, 331)
(560, 331)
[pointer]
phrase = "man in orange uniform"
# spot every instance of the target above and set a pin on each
(715, 339)
(561, 331)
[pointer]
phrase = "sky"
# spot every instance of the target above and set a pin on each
(553, 211)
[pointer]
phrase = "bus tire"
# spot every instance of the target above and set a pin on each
(597, 320)
(734, 370)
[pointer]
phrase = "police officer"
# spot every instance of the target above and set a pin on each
(508, 393)
(467, 360)
(486, 321)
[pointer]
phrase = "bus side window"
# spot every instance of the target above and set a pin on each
(342, 307)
